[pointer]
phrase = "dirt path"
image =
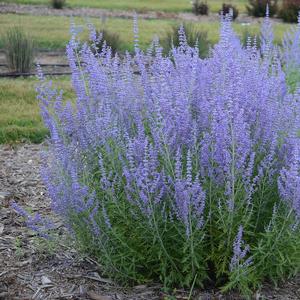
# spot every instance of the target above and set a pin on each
(32, 268)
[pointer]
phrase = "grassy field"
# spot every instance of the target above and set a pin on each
(19, 110)
(52, 32)
(141, 5)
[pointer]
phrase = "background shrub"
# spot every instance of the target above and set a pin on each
(200, 7)
(58, 4)
(106, 38)
(188, 173)
(19, 50)
(194, 37)
(257, 8)
(290, 10)
(227, 8)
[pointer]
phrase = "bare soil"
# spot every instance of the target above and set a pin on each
(33, 268)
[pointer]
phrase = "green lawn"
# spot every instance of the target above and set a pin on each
(19, 110)
(141, 5)
(52, 32)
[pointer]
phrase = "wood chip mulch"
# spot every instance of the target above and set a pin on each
(32, 268)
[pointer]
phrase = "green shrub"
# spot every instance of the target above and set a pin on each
(58, 4)
(200, 8)
(194, 37)
(293, 78)
(257, 8)
(290, 10)
(108, 38)
(19, 50)
(227, 8)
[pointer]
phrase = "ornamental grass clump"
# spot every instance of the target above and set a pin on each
(19, 50)
(178, 169)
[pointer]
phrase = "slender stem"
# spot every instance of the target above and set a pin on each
(160, 239)
(260, 204)
(232, 185)
(191, 240)
(192, 288)
(81, 73)
(210, 216)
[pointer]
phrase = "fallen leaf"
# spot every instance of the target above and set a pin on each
(95, 296)
(140, 287)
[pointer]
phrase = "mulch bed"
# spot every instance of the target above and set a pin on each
(31, 268)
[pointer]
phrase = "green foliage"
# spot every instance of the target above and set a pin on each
(22, 134)
(19, 50)
(195, 37)
(290, 10)
(275, 255)
(257, 8)
(293, 79)
(277, 251)
(58, 4)
(200, 7)
(18, 247)
(137, 250)
(47, 247)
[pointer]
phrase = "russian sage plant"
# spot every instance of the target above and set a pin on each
(178, 169)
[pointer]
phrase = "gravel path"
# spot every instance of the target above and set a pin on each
(32, 268)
